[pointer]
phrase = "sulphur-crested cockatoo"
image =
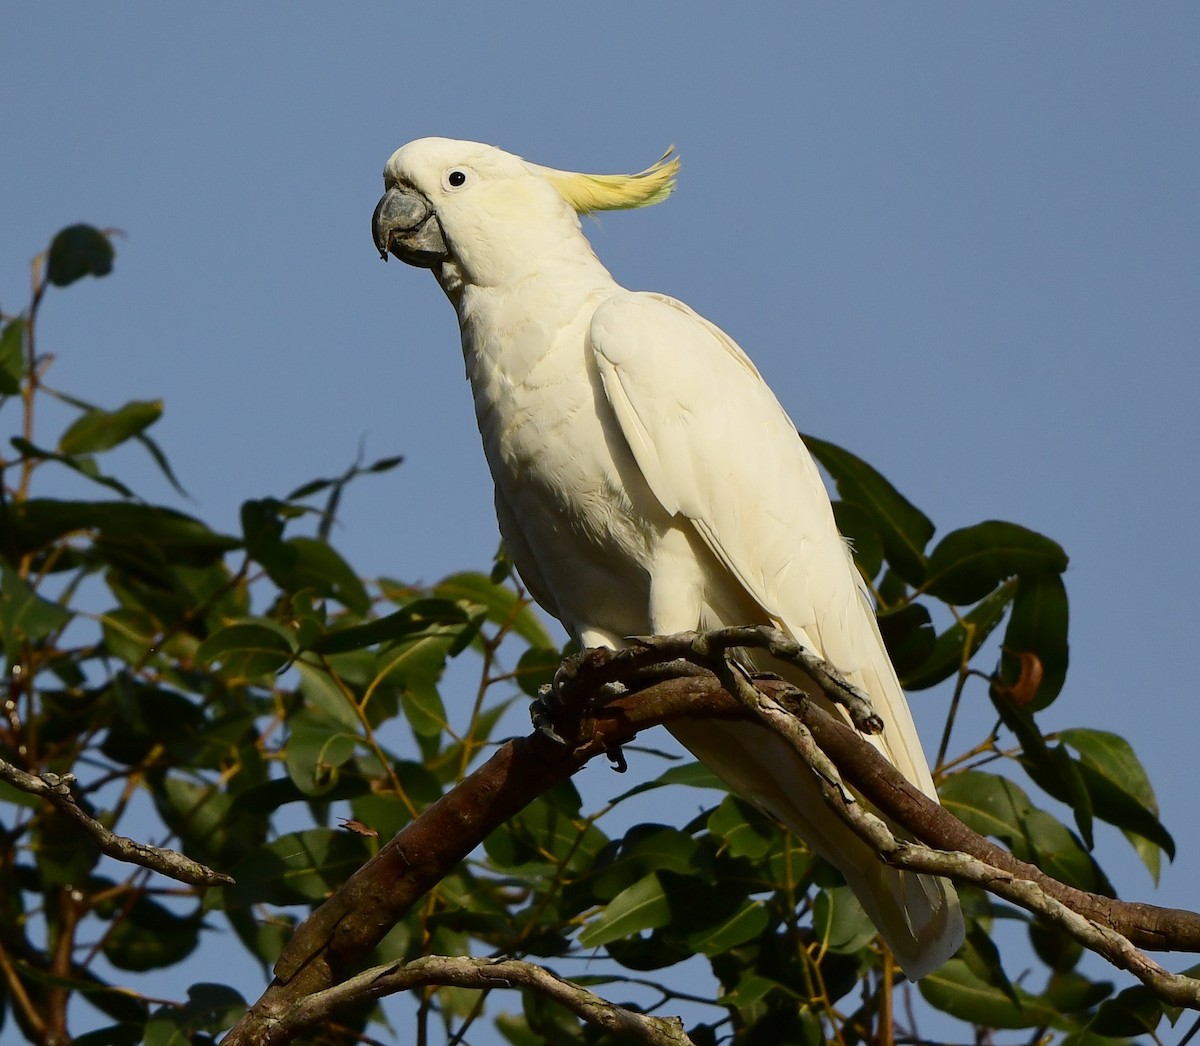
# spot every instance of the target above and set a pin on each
(647, 479)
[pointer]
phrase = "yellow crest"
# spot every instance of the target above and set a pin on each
(614, 192)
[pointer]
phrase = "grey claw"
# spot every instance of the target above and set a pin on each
(540, 716)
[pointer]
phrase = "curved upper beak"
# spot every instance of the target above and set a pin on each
(405, 225)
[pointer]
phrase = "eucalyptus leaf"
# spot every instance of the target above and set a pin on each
(642, 906)
(903, 528)
(248, 649)
(12, 356)
(1119, 785)
(98, 430)
(960, 642)
(149, 936)
(300, 867)
(503, 605)
(78, 251)
(969, 563)
(24, 614)
(1034, 666)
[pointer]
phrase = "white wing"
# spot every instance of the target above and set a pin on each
(716, 448)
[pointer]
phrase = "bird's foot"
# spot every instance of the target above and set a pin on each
(572, 697)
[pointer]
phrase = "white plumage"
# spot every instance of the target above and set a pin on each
(647, 479)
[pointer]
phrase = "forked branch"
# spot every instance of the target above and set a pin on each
(607, 697)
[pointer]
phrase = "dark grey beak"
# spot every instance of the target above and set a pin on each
(405, 225)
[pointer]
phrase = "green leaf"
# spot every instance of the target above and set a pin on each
(78, 251)
(645, 848)
(750, 992)
(693, 775)
(145, 716)
(642, 906)
(24, 615)
(986, 803)
(149, 936)
(65, 855)
(129, 635)
(1072, 994)
(548, 831)
(1054, 946)
(298, 868)
(316, 749)
(248, 650)
(503, 605)
(904, 529)
(1119, 786)
(99, 430)
(12, 356)
(982, 957)
(424, 618)
(993, 805)
(857, 525)
(39, 522)
(1149, 852)
(325, 697)
(304, 562)
(1135, 1011)
(1038, 630)
(744, 924)
(262, 527)
(1052, 768)
(423, 708)
(1058, 853)
(535, 668)
(211, 1008)
(417, 666)
(960, 642)
(958, 990)
(745, 832)
(82, 464)
(969, 563)
(839, 922)
(908, 635)
(209, 827)
(152, 448)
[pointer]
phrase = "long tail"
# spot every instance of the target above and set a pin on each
(917, 915)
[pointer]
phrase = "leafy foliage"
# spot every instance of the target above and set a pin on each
(252, 686)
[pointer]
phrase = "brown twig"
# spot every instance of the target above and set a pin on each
(56, 790)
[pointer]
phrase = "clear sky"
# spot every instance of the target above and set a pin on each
(959, 239)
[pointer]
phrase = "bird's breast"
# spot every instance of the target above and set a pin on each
(574, 509)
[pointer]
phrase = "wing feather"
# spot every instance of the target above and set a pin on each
(716, 447)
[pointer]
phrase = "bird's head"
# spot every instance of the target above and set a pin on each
(491, 214)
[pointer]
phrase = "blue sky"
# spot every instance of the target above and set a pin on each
(960, 240)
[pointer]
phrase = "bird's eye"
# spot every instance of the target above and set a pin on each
(456, 178)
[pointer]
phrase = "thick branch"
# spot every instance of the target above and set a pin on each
(328, 946)
(56, 790)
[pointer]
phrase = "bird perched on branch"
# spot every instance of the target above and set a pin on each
(647, 479)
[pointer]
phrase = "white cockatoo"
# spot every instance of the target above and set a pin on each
(647, 479)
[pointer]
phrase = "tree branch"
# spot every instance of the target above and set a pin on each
(56, 790)
(467, 972)
(663, 683)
